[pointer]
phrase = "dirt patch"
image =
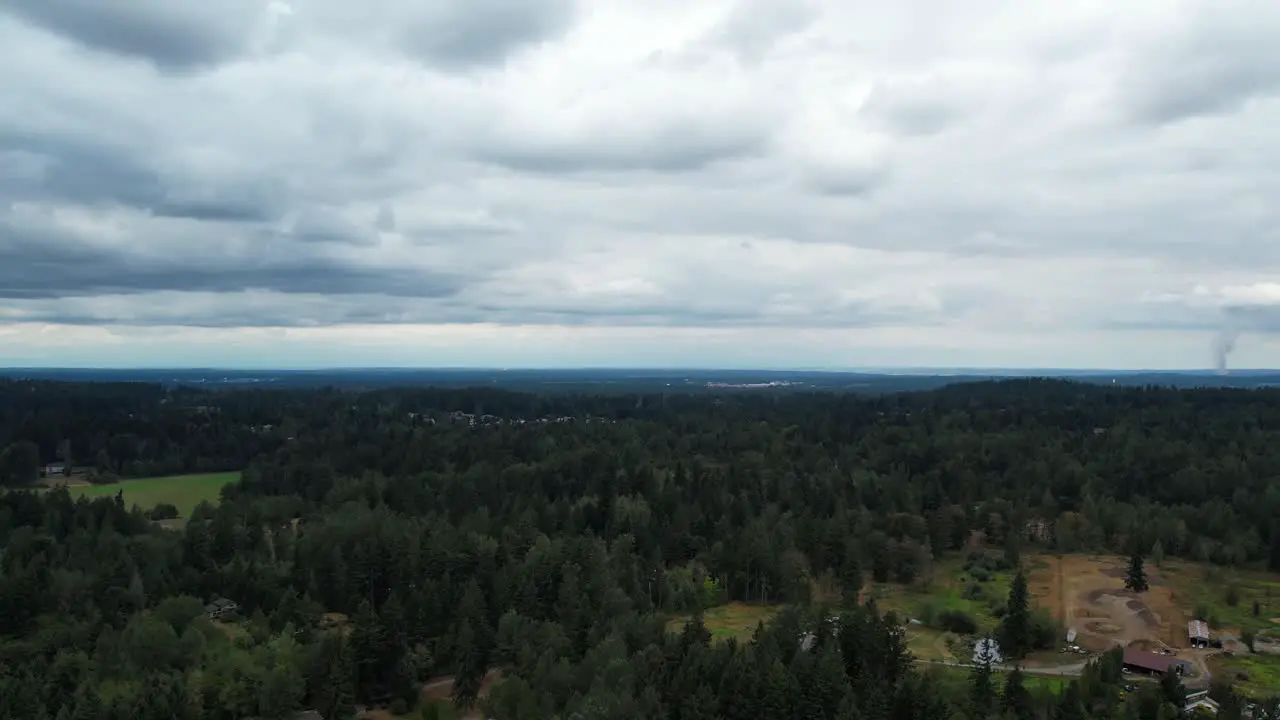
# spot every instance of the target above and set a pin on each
(1101, 627)
(1087, 594)
(441, 690)
(1120, 573)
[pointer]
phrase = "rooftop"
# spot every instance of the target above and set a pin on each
(1148, 660)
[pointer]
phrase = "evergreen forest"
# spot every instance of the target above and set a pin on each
(533, 548)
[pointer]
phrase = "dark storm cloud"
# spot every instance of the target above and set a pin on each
(484, 32)
(173, 35)
(40, 262)
(80, 172)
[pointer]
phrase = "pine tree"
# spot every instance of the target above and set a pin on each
(1015, 628)
(982, 690)
(1136, 577)
(1172, 690)
(367, 644)
(1273, 561)
(1016, 700)
(470, 670)
(850, 575)
(1070, 703)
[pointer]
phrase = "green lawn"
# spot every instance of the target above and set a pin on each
(958, 679)
(736, 620)
(183, 491)
(1204, 587)
(1263, 673)
(947, 591)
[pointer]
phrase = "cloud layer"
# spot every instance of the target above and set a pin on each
(856, 183)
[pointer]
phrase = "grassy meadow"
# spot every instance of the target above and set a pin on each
(734, 620)
(183, 491)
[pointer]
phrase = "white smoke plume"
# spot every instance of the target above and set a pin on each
(1223, 344)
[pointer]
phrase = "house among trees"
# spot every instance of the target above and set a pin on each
(220, 608)
(1198, 633)
(56, 469)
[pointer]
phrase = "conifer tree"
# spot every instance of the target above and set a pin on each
(1015, 628)
(982, 691)
(1135, 578)
(1016, 700)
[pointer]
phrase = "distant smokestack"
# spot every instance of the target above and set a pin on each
(1223, 343)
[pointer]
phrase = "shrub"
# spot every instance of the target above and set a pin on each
(973, 591)
(399, 706)
(957, 621)
(1044, 630)
(1202, 612)
(1248, 637)
(1233, 594)
(928, 615)
(998, 609)
(981, 574)
(163, 511)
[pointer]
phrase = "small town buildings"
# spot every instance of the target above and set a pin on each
(56, 469)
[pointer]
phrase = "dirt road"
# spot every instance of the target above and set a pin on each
(1070, 670)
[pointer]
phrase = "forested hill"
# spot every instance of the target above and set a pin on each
(383, 537)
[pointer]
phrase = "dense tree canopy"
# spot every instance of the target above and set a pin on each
(379, 538)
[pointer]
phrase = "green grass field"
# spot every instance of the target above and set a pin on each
(183, 491)
(1262, 671)
(734, 620)
(958, 679)
(1204, 587)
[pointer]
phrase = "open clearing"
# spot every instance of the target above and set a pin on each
(950, 589)
(734, 620)
(183, 491)
(1255, 675)
(1087, 593)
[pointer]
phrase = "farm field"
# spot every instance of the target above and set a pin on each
(1255, 675)
(183, 491)
(1207, 590)
(733, 620)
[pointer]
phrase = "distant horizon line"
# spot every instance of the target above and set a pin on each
(876, 369)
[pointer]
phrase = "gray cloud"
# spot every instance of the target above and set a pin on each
(777, 166)
(178, 36)
(1211, 62)
(483, 32)
(43, 261)
(676, 148)
(85, 172)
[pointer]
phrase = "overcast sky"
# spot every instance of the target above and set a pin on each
(769, 183)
